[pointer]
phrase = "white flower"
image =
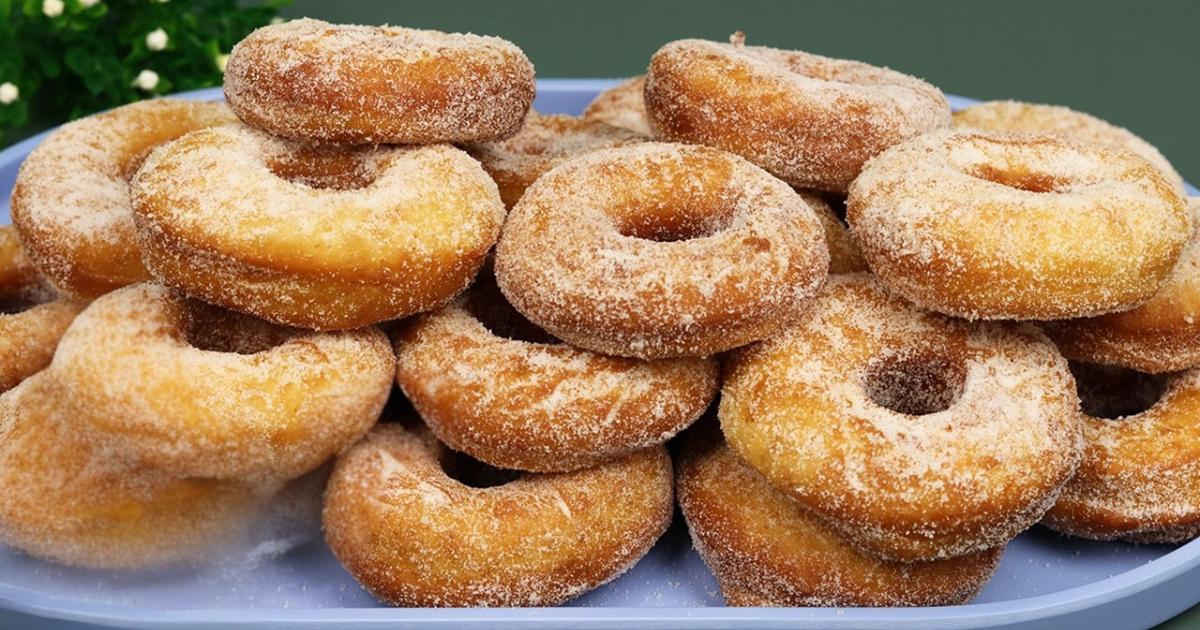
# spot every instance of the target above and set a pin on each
(276, 20)
(9, 93)
(87, 4)
(52, 8)
(146, 80)
(156, 39)
(222, 61)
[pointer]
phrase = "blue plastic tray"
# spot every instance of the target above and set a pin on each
(1045, 581)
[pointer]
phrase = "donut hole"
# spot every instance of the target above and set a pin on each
(325, 168)
(915, 382)
(213, 329)
(473, 473)
(487, 304)
(1020, 178)
(21, 301)
(1111, 392)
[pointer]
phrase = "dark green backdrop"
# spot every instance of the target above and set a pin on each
(1130, 63)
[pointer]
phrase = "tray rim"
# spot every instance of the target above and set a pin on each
(1171, 567)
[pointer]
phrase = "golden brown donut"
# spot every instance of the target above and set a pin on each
(323, 238)
(844, 256)
(32, 316)
(1162, 335)
(659, 250)
(203, 392)
(414, 536)
(1004, 226)
(1139, 479)
(71, 198)
(544, 141)
(68, 499)
(1034, 118)
(311, 80)
(767, 551)
(812, 121)
(492, 385)
(914, 435)
(622, 106)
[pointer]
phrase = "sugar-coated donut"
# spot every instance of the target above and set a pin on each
(488, 384)
(1034, 118)
(323, 238)
(622, 106)
(204, 392)
(659, 250)
(414, 536)
(915, 435)
(32, 316)
(1015, 226)
(71, 198)
(1139, 479)
(766, 550)
(1162, 335)
(844, 256)
(311, 80)
(812, 121)
(544, 141)
(68, 499)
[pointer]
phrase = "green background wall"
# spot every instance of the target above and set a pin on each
(1132, 63)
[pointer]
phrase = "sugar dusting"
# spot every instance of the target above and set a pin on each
(812, 121)
(541, 406)
(622, 106)
(1013, 226)
(908, 487)
(310, 80)
(655, 250)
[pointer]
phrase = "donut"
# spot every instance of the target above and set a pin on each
(203, 392)
(768, 551)
(983, 225)
(915, 436)
(495, 387)
(322, 238)
(1139, 479)
(1033, 118)
(544, 141)
(311, 80)
(32, 316)
(1162, 335)
(70, 500)
(622, 106)
(70, 201)
(659, 250)
(812, 121)
(844, 256)
(414, 536)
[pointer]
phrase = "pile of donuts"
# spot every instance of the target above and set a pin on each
(903, 336)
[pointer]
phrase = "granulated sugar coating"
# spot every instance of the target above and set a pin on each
(543, 143)
(766, 550)
(202, 392)
(311, 80)
(844, 256)
(810, 120)
(1015, 226)
(541, 406)
(1162, 335)
(622, 106)
(658, 250)
(979, 433)
(70, 499)
(71, 199)
(1140, 475)
(323, 238)
(32, 316)
(414, 536)
(1033, 118)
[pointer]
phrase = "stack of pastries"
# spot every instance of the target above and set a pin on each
(903, 336)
